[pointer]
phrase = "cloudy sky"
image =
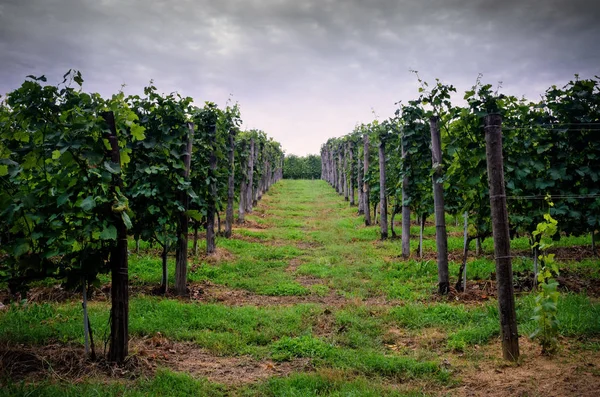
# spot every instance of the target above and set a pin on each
(302, 70)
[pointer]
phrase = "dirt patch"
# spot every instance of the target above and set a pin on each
(63, 362)
(453, 256)
(67, 363)
(326, 325)
(563, 254)
(568, 281)
(236, 370)
(575, 282)
(483, 290)
(249, 224)
(569, 373)
(308, 281)
(253, 229)
(293, 266)
(57, 294)
(397, 339)
(213, 293)
(250, 239)
(477, 291)
(575, 253)
(220, 255)
(309, 245)
(188, 358)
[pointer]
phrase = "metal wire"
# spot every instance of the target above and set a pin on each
(566, 129)
(552, 196)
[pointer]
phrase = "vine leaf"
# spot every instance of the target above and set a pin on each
(112, 168)
(109, 233)
(126, 220)
(87, 204)
(137, 132)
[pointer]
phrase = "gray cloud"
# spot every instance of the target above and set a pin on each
(302, 70)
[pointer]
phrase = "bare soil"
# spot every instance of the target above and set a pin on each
(214, 293)
(569, 373)
(62, 362)
(250, 225)
(293, 266)
(188, 358)
(219, 256)
(68, 363)
(309, 245)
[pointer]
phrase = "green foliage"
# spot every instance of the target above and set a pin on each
(58, 203)
(62, 197)
(349, 344)
(546, 308)
(548, 145)
(304, 346)
(155, 180)
(305, 167)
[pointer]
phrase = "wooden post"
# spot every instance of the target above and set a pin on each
(421, 235)
(332, 169)
(257, 183)
(351, 161)
(504, 275)
(345, 173)
(366, 204)
(86, 328)
(243, 192)
(361, 195)
(211, 208)
(441, 238)
(250, 187)
(535, 266)
(382, 193)
(340, 173)
(230, 185)
(332, 177)
(465, 248)
(164, 282)
(181, 253)
(119, 291)
(405, 207)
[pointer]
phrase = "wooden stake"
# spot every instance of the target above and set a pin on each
(366, 204)
(119, 291)
(504, 275)
(230, 185)
(211, 208)
(382, 197)
(181, 253)
(405, 208)
(441, 237)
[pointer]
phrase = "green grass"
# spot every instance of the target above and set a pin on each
(219, 328)
(168, 383)
(332, 384)
(467, 326)
(164, 383)
(305, 224)
(365, 361)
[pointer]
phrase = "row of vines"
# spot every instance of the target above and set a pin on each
(302, 167)
(434, 157)
(81, 174)
(550, 147)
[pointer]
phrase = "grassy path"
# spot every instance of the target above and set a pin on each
(303, 300)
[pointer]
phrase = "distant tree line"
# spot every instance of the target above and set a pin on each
(306, 167)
